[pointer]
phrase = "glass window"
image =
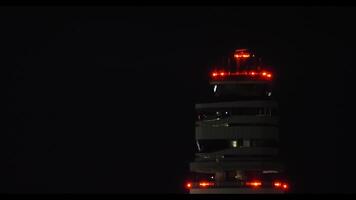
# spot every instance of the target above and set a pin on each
(246, 91)
(206, 146)
(264, 143)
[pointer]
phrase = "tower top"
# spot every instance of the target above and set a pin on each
(242, 66)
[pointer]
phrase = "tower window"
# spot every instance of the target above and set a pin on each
(234, 143)
(246, 143)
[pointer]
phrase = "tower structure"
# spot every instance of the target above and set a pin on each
(237, 133)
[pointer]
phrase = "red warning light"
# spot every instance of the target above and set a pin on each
(278, 184)
(285, 186)
(206, 184)
(242, 55)
(266, 74)
(254, 183)
(189, 185)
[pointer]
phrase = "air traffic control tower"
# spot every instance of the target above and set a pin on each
(237, 132)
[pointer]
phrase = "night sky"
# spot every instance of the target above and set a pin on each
(101, 100)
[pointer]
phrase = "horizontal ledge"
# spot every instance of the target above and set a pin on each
(236, 104)
(235, 191)
(263, 151)
(242, 119)
(245, 132)
(212, 167)
(224, 82)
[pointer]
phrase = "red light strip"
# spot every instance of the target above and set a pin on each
(250, 73)
(242, 55)
(277, 184)
(254, 183)
(206, 184)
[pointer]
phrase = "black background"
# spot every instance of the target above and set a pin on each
(102, 99)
